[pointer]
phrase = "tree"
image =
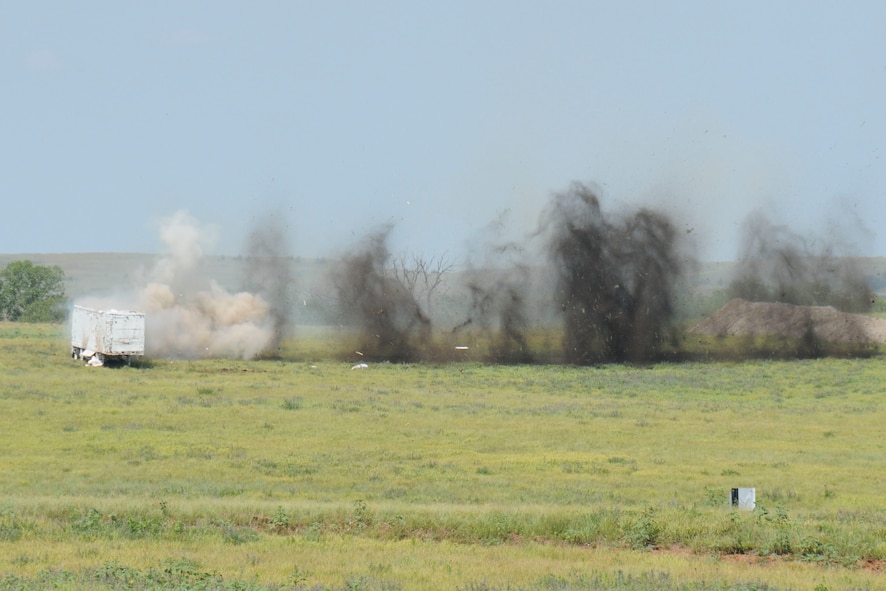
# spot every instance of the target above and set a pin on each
(422, 275)
(31, 293)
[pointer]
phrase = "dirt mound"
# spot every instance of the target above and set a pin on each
(824, 323)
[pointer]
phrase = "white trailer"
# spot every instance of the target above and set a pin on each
(102, 334)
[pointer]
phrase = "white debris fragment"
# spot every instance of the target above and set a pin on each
(461, 348)
(359, 366)
(95, 362)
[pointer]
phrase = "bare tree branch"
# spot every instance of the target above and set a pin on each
(423, 276)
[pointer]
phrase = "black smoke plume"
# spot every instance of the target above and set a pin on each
(392, 325)
(778, 265)
(270, 273)
(498, 307)
(616, 279)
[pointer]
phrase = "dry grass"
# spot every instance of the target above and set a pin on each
(448, 476)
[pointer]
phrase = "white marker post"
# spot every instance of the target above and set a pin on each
(744, 498)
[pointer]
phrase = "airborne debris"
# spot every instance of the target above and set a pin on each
(189, 315)
(392, 324)
(617, 277)
(270, 274)
(497, 283)
(778, 265)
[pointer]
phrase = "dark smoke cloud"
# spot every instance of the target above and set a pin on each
(778, 265)
(498, 298)
(392, 325)
(270, 273)
(616, 278)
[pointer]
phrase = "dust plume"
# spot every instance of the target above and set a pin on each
(270, 274)
(616, 278)
(188, 317)
(498, 306)
(392, 325)
(778, 265)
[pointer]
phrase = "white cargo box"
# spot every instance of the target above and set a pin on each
(107, 333)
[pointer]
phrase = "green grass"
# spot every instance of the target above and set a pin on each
(306, 474)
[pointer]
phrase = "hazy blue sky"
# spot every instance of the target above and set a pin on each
(437, 117)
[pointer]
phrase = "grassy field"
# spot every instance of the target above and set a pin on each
(305, 474)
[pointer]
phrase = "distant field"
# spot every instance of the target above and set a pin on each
(306, 474)
(103, 273)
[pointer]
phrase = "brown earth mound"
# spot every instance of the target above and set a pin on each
(825, 323)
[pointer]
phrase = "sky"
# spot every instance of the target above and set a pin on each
(438, 118)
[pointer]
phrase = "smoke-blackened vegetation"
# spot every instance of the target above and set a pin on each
(391, 324)
(269, 273)
(616, 278)
(778, 265)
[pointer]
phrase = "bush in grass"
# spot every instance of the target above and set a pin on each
(10, 531)
(88, 524)
(644, 532)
